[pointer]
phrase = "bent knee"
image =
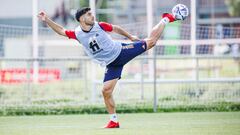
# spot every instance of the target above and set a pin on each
(107, 90)
(151, 43)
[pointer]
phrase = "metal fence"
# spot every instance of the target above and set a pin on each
(76, 81)
(173, 76)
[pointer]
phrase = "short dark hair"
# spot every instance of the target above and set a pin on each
(81, 12)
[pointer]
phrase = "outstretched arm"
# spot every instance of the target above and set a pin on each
(121, 31)
(56, 27)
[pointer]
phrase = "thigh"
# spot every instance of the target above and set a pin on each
(130, 51)
(110, 84)
(112, 72)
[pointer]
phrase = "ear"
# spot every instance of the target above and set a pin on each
(81, 19)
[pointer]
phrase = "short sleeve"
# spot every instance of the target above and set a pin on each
(70, 34)
(106, 26)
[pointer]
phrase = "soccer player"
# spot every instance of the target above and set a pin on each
(98, 45)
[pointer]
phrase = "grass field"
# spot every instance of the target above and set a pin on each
(204, 123)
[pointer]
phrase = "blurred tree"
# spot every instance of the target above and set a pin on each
(99, 4)
(233, 7)
(84, 3)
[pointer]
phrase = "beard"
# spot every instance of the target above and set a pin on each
(89, 24)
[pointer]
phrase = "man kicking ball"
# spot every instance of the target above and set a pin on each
(104, 50)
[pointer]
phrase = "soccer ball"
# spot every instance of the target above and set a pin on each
(180, 12)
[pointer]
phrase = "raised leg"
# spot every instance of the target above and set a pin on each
(158, 29)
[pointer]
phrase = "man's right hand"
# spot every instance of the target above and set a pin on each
(42, 16)
(56, 27)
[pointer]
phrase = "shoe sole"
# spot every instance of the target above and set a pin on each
(113, 127)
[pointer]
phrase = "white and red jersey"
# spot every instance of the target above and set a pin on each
(97, 43)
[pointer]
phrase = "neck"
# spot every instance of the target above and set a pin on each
(85, 27)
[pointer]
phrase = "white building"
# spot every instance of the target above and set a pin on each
(19, 12)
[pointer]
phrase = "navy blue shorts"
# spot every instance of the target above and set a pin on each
(129, 51)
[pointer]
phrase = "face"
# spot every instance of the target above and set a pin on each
(88, 18)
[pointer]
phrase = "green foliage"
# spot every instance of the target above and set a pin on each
(84, 3)
(168, 98)
(122, 108)
(1, 92)
(52, 101)
(233, 6)
(100, 17)
(216, 107)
